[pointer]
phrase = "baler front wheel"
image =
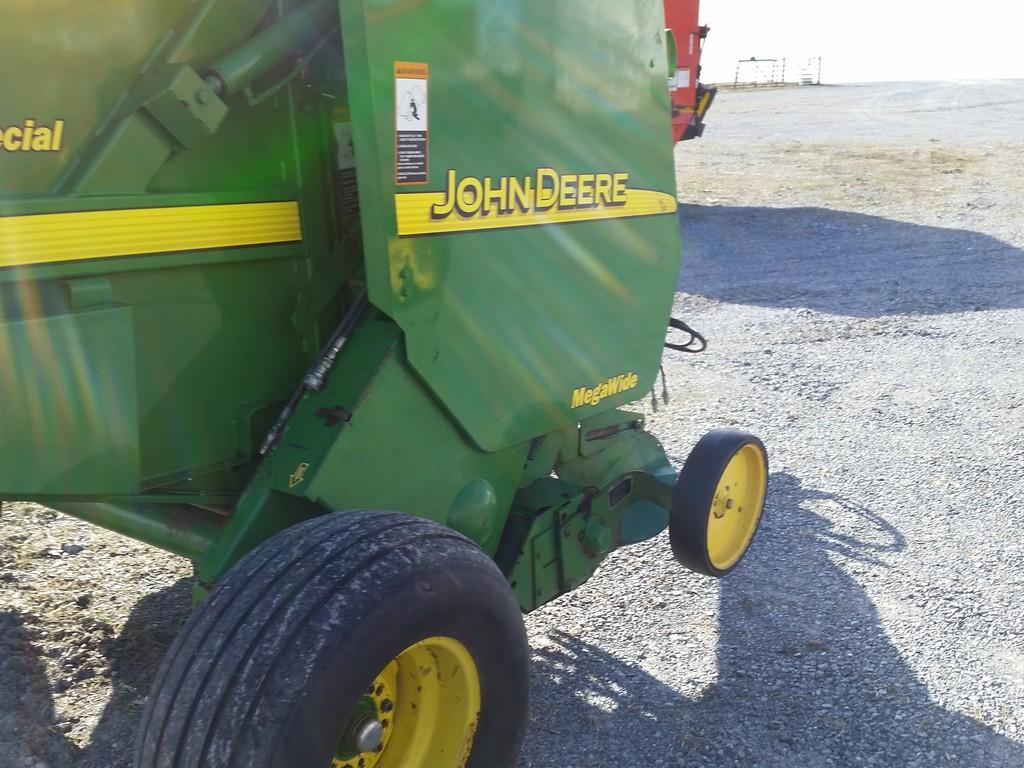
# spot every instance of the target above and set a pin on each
(718, 501)
(356, 640)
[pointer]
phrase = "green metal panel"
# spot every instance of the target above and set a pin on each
(372, 438)
(68, 416)
(422, 468)
(219, 334)
(505, 325)
(231, 349)
(69, 61)
(212, 339)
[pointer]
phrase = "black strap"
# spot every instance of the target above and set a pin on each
(696, 344)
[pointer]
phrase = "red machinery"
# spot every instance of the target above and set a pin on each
(690, 99)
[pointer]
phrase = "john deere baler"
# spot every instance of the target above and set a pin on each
(347, 306)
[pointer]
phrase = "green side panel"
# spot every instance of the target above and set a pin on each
(225, 160)
(402, 452)
(217, 344)
(374, 437)
(74, 62)
(504, 325)
(300, 451)
(220, 332)
(68, 404)
(213, 347)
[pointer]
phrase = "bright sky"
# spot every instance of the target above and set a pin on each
(863, 40)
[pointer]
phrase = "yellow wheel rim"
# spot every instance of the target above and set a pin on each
(427, 701)
(736, 509)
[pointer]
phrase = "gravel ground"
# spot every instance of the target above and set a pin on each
(855, 256)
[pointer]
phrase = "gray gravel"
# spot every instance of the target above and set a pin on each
(860, 274)
(855, 256)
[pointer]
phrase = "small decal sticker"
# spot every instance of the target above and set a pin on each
(411, 122)
(296, 477)
(616, 385)
(346, 181)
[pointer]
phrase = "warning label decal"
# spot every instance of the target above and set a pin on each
(411, 122)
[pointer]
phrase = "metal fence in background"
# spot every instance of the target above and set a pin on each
(810, 73)
(756, 73)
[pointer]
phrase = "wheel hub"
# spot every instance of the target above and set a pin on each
(419, 712)
(740, 488)
(368, 735)
(370, 728)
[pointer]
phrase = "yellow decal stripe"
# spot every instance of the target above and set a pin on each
(55, 237)
(414, 213)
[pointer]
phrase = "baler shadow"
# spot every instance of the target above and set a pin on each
(29, 726)
(807, 676)
(134, 657)
(844, 263)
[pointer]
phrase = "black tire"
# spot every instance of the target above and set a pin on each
(269, 668)
(695, 493)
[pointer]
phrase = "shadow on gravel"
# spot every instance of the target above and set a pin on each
(806, 674)
(133, 657)
(31, 722)
(807, 677)
(844, 263)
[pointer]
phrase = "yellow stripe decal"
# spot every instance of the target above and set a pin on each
(470, 204)
(56, 237)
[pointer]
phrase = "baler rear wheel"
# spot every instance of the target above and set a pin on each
(355, 640)
(718, 501)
